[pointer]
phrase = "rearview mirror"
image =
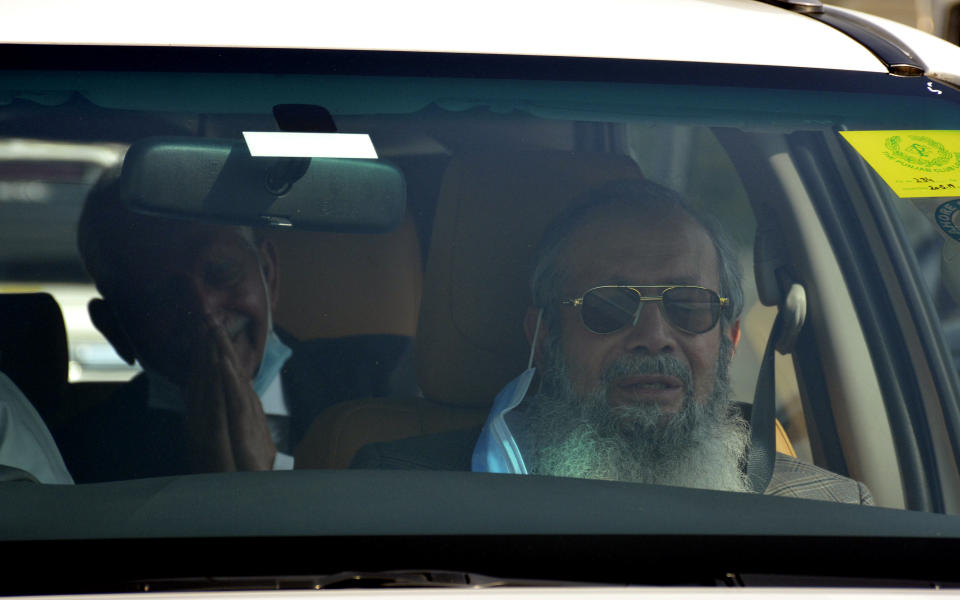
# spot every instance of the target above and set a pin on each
(219, 180)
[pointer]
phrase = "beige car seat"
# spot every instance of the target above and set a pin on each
(341, 284)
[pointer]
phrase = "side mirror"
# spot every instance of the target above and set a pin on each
(219, 180)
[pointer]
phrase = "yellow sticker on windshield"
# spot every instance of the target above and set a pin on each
(916, 164)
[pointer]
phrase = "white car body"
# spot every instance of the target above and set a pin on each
(723, 31)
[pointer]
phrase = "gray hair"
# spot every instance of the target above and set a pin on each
(548, 276)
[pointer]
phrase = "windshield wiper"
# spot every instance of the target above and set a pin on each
(427, 578)
(413, 578)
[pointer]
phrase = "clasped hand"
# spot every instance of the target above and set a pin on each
(227, 427)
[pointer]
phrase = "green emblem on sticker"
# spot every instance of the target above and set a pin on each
(921, 152)
(915, 163)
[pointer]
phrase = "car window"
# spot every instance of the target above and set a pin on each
(398, 339)
(44, 183)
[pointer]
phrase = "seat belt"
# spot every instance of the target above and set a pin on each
(762, 440)
(783, 336)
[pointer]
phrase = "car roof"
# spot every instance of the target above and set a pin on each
(940, 56)
(715, 31)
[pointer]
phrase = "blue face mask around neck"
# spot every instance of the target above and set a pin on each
(497, 450)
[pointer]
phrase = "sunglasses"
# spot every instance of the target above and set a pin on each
(609, 308)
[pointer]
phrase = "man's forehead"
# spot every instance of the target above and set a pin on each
(185, 236)
(622, 246)
(160, 244)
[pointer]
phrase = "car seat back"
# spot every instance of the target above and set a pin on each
(345, 284)
(33, 350)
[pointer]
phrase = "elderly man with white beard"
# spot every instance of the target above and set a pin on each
(633, 324)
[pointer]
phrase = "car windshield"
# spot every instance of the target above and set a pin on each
(555, 270)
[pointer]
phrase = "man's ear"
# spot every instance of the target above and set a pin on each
(734, 336)
(530, 328)
(106, 321)
(268, 264)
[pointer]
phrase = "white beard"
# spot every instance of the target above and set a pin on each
(567, 434)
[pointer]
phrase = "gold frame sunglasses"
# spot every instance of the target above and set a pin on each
(606, 309)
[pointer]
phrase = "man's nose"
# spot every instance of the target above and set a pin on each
(651, 333)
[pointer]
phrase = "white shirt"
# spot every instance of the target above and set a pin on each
(25, 441)
(278, 417)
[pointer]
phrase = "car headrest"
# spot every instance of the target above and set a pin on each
(492, 210)
(345, 284)
(33, 349)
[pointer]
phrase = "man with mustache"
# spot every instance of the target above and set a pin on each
(222, 389)
(635, 319)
